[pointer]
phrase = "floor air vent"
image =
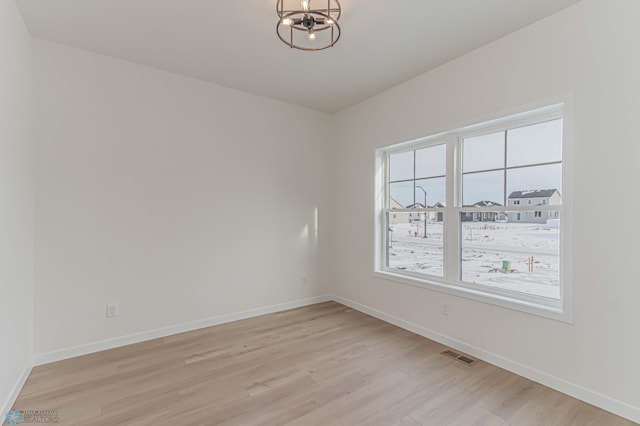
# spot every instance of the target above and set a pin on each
(459, 357)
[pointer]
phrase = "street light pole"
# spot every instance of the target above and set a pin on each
(425, 213)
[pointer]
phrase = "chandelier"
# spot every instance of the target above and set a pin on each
(309, 27)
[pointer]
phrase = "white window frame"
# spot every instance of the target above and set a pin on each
(561, 309)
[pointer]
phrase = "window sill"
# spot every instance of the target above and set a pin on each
(539, 308)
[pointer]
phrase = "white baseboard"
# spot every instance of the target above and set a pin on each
(587, 395)
(11, 398)
(46, 358)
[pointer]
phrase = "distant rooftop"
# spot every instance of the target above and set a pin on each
(484, 204)
(395, 204)
(416, 206)
(534, 193)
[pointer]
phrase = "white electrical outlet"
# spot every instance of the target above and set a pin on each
(112, 310)
(444, 309)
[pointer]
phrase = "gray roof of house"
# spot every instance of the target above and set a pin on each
(539, 193)
(484, 204)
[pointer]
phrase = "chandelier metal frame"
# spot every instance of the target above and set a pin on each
(294, 23)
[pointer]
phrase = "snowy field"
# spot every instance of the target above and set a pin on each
(532, 250)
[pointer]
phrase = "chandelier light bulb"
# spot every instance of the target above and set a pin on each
(312, 36)
(330, 22)
(287, 21)
(305, 4)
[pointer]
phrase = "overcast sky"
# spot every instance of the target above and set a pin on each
(535, 144)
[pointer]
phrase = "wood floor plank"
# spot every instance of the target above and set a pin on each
(324, 364)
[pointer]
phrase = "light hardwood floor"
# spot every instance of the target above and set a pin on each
(324, 364)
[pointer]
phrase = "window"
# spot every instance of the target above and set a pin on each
(477, 212)
(416, 187)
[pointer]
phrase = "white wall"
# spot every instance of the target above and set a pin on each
(178, 199)
(590, 50)
(16, 200)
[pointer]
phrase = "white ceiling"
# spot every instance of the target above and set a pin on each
(233, 42)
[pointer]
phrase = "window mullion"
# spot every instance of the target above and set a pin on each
(414, 178)
(451, 237)
(504, 184)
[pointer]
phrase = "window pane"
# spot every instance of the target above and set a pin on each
(431, 161)
(401, 166)
(410, 248)
(435, 189)
(519, 256)
(535, 185)
(483, 152)
(486, 186)
(538, 143)
(401, 195)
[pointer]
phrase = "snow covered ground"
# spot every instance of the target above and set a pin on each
(485, 245)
